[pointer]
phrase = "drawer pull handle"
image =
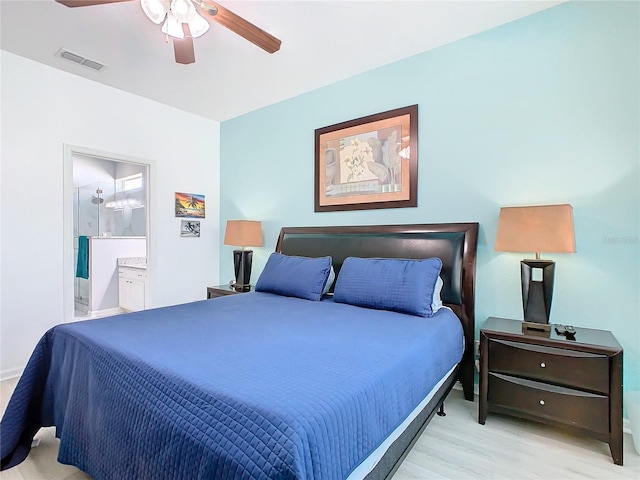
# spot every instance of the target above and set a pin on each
(541, 402)
(543, 365)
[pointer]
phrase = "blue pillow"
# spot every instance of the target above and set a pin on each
(396, 284)
(290, 276)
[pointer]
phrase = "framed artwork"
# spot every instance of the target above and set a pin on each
(189, 205)
(189, 228)
(366, 163)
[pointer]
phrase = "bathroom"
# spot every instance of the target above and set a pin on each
(109, 230)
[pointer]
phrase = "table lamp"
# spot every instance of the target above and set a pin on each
(243, 233)
(544, 228)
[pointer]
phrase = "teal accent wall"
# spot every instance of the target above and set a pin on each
(539, 111)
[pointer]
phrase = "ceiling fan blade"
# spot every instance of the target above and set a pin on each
(242, 27)
(183, 47)
(87, 3)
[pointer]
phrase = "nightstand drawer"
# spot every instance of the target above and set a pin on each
(559, 404)
(560, 366)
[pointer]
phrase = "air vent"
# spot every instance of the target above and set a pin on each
(75, 58)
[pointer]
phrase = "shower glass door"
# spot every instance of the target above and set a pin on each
(91, 219)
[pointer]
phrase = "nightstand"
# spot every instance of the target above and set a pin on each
(575, 384)
(222, 290)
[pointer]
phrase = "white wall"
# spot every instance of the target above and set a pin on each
(44, 108)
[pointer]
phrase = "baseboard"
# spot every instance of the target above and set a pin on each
(626, 425)
(10, 374)
(107, 312)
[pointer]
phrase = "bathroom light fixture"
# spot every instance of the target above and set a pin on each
(127, 202)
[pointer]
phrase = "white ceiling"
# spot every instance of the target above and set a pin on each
(322, 42)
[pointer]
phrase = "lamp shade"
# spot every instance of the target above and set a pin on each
(243, 233)
(155, 10)
(543, 228)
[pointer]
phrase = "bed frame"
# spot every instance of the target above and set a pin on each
(454, 243)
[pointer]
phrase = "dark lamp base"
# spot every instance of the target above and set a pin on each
(540, 329)
(242, 266)
(537, 294)
(241, 288)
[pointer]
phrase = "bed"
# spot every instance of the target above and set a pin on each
(258, 385)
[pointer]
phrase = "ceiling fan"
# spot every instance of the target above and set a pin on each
(182, 22)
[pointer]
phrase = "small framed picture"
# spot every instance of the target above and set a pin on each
(189, 205)
(189, 228)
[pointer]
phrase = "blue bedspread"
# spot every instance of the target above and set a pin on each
(247, 386)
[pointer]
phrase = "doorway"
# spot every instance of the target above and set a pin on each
(106, 215)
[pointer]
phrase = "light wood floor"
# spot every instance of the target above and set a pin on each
(452, 447)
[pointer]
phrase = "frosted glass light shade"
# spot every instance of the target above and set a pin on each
(172, 26)
(198, 26)
(155, 10)
(183, 10)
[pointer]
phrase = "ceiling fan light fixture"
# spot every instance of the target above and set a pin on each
(198, 26)
(172, 26)
(183, 10)
(155, 10)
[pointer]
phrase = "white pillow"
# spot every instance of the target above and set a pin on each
(332, 277)
(436, 301)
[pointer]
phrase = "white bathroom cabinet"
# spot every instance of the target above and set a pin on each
(131, 288)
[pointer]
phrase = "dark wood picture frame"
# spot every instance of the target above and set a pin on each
(367, 163)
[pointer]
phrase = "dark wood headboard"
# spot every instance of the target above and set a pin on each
(454, 243)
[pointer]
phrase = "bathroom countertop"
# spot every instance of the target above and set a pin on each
(133, 262)
(137, 267)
